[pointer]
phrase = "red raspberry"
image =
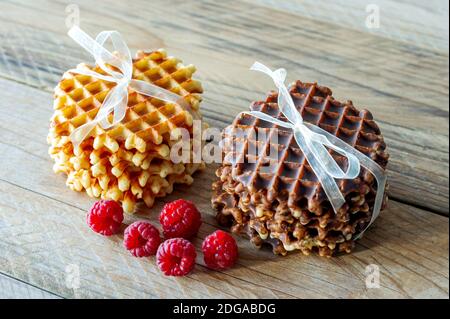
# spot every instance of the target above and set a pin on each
(176, 257)
(180, 218)
(142, 239)
(105, 217)
(220, 250)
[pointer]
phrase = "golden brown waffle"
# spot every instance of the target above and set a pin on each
(78, 98)
(131, 161)
(129, 188)
(125, 176)
(267, 189)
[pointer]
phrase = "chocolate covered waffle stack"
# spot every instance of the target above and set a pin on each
(267, 190)
(130, 161)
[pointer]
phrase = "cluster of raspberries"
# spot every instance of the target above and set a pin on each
(180, 221)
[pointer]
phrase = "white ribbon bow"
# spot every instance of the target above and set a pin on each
(314, 141)
(117, 99)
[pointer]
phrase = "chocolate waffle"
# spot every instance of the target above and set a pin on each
(267, 189)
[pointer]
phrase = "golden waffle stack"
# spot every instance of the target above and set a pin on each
(272, 194)
(130, 161)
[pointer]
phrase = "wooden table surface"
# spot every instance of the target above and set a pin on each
(399, 72)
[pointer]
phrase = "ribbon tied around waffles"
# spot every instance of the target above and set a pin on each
(314, 141)
(117, 99)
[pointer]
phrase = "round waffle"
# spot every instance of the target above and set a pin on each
(267, 189)
(79, 97)
(130, 161)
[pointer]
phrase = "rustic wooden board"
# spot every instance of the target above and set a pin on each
(48, 235)
(406, 87)
(425, 25)
(11, 288)
(44, 226)
(42, 223)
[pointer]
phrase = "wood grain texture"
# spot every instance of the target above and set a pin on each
(415, 22)
(43, 224)
(404, 84)
(412, 258)
(406, 87)
(11, 288)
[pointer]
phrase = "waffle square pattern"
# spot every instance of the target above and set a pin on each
(130, 161)
(267, 190)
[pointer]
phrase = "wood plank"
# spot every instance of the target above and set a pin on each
(405, 86)
(11, 288)
(47, 235)
(43, 223)
(45, 245)
(43, 226)
(424, 25)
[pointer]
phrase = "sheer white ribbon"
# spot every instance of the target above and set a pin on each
(117, 99)
(314, 141)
